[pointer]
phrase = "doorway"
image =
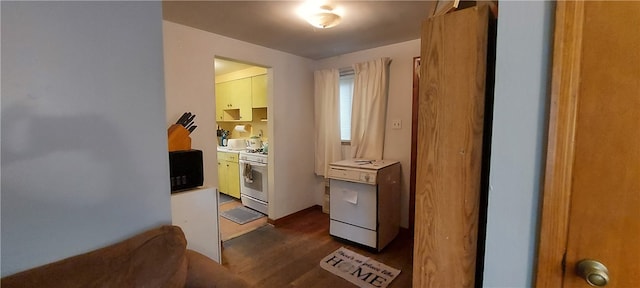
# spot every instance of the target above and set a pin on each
(242, 135)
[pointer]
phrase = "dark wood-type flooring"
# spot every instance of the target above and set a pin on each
(289, 255)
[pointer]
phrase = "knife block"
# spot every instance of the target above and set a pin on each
(179, 138)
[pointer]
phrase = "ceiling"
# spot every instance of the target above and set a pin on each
(275, 24)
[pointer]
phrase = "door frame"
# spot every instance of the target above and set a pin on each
(414, 142)
(556, 196)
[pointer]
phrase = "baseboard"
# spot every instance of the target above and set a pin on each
(406, 231)
(285, 219)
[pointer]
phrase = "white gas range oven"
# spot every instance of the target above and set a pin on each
(254, 180)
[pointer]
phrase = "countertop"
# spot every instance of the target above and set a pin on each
(364, 164)
(225, 149)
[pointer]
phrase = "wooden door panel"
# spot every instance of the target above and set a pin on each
(449, 153)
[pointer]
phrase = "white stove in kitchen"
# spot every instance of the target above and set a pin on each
(254, 180)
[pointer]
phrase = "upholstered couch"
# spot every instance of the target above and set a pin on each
(155, 258)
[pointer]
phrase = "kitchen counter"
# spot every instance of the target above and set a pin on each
(226, 149)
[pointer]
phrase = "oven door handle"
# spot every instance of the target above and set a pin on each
(253, 163)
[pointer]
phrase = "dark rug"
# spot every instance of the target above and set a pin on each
(224, 198)
(241, 215)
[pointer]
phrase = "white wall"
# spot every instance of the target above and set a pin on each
(397, 143)
(84, 160)
(524, 50)
(189, 78)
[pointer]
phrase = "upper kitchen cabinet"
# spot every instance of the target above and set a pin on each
(259, 91)
(233, 100)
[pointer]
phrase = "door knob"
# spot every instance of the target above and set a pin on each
(594, 272)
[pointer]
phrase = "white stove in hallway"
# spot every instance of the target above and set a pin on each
(254, 181)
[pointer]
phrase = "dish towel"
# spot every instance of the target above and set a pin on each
(248, 173)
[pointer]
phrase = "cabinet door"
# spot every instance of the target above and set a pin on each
(259, 91)
(241, 98)
(233, 179)
(222, 99)
(223, 184)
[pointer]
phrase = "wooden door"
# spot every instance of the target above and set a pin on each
(449, 153)
(591, 201)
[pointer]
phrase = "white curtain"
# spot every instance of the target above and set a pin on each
(327, 119)
(369, 108)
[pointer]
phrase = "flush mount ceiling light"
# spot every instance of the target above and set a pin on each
(321, 16)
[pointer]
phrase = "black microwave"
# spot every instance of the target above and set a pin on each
(185, 169)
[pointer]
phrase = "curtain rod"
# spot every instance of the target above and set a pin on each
(346, 71)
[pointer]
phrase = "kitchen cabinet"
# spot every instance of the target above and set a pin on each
(233, 100)
(221, 101)
(259, 91)
(233, 174)
(229, 174)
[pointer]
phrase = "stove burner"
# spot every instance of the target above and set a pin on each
(257, 151)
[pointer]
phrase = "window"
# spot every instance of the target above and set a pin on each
(346, 96)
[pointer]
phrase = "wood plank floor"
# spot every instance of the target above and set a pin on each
(289, 255)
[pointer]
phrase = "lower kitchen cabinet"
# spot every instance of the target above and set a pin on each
(229, 174)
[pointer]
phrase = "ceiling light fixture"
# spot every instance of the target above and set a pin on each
(322, 16)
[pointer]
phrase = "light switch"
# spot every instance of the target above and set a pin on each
(396, 124)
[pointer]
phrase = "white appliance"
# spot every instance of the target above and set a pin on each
(236, 144)
(254, 143)
(254, 181)
(365, 201)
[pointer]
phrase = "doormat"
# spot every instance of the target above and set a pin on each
(241, 215)
(224, 198)
(358, 269)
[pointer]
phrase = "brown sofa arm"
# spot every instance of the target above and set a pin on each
(155, 258)
(204, 272)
